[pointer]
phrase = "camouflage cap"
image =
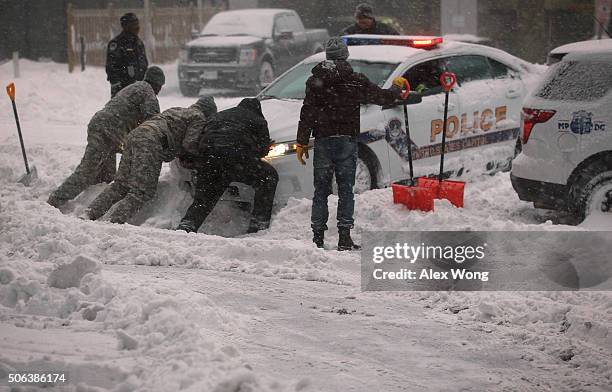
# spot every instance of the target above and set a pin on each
(206, 105)
(155, 75)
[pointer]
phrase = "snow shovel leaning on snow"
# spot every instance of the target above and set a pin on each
(445, 189)
(420, 195)
(30, 175)
(409, 192)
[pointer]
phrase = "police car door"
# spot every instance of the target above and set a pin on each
(425, 127)
(475, 126)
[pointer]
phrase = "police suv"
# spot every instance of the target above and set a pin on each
(566, 159)
(484, 111)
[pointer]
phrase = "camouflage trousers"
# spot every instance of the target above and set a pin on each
(98, 165)
(136, 179)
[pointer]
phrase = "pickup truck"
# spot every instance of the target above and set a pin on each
(246, 48)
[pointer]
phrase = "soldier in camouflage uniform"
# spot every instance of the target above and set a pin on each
(157, 140)
(106, 135)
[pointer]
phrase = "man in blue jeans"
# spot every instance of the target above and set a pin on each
(330, 113)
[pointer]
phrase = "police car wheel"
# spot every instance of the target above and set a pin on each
(365, 176)
(592, 194)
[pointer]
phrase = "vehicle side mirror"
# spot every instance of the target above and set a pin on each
(284, 35)
(414, 98)
(195, 34)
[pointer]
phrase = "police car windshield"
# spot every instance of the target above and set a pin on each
(293, 84)
(577, 81)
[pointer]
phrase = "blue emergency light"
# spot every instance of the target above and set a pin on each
(419, 42)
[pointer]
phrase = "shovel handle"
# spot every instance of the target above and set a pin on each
(10, 90)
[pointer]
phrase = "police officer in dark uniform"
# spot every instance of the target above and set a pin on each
(365, 23)
(126, 60)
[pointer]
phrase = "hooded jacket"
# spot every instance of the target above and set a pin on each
(334, 94)
(377, 28)
(243, 129)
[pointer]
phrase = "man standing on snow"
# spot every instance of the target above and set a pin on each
(330, 113)
(126, 60)
(106, 135)
(155, 141)
(365, 23)
(231, 147)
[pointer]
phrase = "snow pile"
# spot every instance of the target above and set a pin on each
(176, 338)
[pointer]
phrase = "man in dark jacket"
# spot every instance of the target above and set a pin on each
(330, 113)
(126, 60)
(365, 23)
(231, 146)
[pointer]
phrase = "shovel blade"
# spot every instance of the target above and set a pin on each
(28, 178)
(414, 197)
(450, 190)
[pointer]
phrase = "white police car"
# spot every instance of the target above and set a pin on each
(566, 160)
(484, 111)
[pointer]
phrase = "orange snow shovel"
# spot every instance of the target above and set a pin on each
(445, 189)
(30, 175)
(409, 192)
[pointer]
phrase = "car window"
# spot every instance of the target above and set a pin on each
(281, 24)
(577, 81)
(469, 68)
(499, 70)
(295, 23)
(425, 77)
(292, 85)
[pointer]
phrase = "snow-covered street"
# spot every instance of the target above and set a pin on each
(144, 308)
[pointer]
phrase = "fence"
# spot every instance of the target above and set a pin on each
(170, 28)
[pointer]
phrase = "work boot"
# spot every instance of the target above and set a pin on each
(187, 226)
(55, 201)
(345, 242)
(256, 225)
(318, 238)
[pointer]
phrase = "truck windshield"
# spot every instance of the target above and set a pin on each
(233, 23)
(293, 84)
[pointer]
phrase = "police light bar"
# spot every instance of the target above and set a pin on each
(419, 42)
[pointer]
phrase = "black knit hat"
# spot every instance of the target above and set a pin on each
(128, 18)
(364, 10)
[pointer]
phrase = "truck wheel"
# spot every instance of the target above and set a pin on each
(266, 73)
(592, 191)
(189, 90)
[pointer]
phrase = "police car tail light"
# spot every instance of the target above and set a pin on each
(400, 40)
(531, 117)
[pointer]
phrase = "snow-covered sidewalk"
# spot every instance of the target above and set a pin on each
(149, 309)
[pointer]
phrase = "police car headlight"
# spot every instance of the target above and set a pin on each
(281, 149)
(184, 55)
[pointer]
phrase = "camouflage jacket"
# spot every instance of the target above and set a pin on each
(125, 111)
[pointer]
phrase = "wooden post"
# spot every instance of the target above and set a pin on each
(200, 15)
(148, 30)
(82, 53)
(111, 20)
(16, 64)
(69, 30)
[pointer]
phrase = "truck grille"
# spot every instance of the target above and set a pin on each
(214, 55)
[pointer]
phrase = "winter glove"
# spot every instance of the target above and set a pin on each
(400, 82)
(301, 151)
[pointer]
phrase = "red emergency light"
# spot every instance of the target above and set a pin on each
(419, 42)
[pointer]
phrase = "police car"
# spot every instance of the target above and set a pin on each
(484, 111)
(566, 160)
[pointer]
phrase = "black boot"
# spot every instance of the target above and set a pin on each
(345, 242)
(318, 238)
